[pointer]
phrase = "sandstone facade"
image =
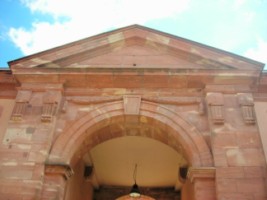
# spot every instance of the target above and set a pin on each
(207, 104)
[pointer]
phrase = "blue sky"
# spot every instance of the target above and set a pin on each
(31, 26)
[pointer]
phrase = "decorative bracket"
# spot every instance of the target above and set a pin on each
(247, 107)
(22, 100)
(48, 111)
(51, 100)
(216, 106)
(217, 114)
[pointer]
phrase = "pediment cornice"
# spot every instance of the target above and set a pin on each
(203, 56)
(110, 59)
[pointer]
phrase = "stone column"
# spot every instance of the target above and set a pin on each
(200, 184)
(55, 180)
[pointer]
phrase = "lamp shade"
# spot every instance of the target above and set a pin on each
(135, 192)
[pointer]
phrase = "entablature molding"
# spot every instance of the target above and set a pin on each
(138, 77)
(41, 87)
(230, 88)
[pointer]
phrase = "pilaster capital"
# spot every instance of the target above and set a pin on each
(56, 169)
(200, 173)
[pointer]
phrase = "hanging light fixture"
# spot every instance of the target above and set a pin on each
(135, 192)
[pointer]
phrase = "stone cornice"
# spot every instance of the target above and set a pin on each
(137, 78)
(7, 84)
(150, 36)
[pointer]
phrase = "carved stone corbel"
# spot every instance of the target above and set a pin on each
(48, 111)
(217, 114)
(51, 101)
(247, 108)
(216, 106)
(22, 101)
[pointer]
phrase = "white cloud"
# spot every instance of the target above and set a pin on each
(87, 17)
(238, 3)
(259, 53)
(236, 26)
(42, 36)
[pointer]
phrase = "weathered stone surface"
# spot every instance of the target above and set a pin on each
(133, 81)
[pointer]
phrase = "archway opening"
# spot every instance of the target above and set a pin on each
(109, 121)
(124, 144)
(157, 164)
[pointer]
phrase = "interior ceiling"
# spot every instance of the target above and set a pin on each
(157, 163)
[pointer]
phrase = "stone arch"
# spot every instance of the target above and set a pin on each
(78, 137)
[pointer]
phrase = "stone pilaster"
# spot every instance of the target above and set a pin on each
(26, 142)
(200, 184)
(55, 180)
(237, 150)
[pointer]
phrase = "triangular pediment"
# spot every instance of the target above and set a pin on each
(136, 47)
(137, 56)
